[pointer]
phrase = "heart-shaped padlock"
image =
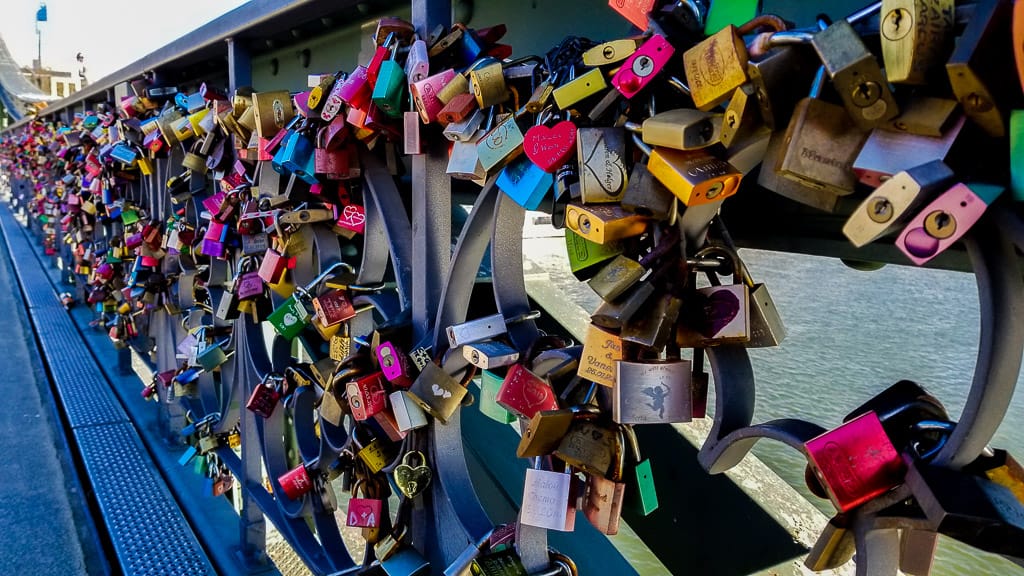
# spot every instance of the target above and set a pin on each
(410, 479)
(550, 148)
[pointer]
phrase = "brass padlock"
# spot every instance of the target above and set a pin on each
(680, 129)
(694, 176)
(980, 69)
(437, 393)
(650, 328)
(715, 67)
(855, 75)
(604, 223)
(546, 429)
(588, 446)
(601, 352)
(821, 143)
(917, 37)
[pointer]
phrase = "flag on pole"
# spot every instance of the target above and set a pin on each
(41, 13)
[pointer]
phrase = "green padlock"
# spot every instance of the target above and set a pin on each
(1017, 154)
(291, 317)
(586, 257)
(389, 90)
(490, 383)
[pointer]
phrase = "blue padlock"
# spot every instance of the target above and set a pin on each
(525, 182)
(295, 156)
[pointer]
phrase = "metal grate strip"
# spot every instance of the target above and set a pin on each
(150, 535)
(145, 524)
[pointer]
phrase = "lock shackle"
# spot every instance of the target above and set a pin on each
(772, 21)
(764, 42)
(728, 255)
(314, 285)
(618, 469)
(945, 428)
(640, 144)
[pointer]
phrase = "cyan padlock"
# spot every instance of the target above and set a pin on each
(525, 182)
(296, 157)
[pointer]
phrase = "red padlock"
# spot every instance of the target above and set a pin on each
(367, 396)
(265, 396)
(333, 307)
(363, 512)
(856, 461)
(524, 393)
(296, 482)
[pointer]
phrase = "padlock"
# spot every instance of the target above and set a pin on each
(503, 562)
(464, 161)
(465, 130)
(834, 548)
(437, 393)
(484, 328)
(295, 157)
(490, 354)
(417, 63)
(389, 87)
(1001, 468)
(394, 364)
(893, 201)
(490, 384)
(980, 70)
(716, 67)
(604, 223)
(855, 462)
(425, 94)
(605, 497)
(333, 307)
(588, 446)
(680, 129)
(855, 75)
(885, 153)
(643, 65)
(610, 52)
(488, 83)
(619, 275)
(501, 144)
(646, 196)
(652, 391)
(265, 395)
(580, 88)
(695, 177)
(586, 257)
(524, 393)
(457, 109)
(550, 147)
(651, 327)
(601, 153)
(412, 475)
(296, 483)
(524, 182)
(821, 144)
(633, 10)
(291, 317)
(273, 110)
(547, 428)
(366, 396)
(408, 415)
(601, 352)
(968, 507)
(917, 37)
(545, 499)
(372, 453)
(717, 314)
(945, 220)
(364, 512)
(926, 116)
(212, 356)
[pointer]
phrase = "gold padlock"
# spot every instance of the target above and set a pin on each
(694, 176)
(715, 67)
(489, 85)
(603, 223)
(916, 38)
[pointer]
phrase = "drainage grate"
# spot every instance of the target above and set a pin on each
(147, 529)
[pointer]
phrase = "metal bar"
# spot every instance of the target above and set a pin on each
(239, 65)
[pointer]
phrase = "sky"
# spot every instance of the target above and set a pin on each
(109, 33)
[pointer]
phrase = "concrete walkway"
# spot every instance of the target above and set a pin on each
(43, 523)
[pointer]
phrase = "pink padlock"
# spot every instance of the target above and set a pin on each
(424, 94)
(524, 393)
(353, 217)
(945, 220)
(249, 285)
(642, 66)
(394, 364)
(364, 512)
(356, 89)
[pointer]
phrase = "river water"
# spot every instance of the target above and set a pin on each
(851, 334)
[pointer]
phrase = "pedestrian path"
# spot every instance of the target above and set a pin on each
(38, 500)
(147, 533)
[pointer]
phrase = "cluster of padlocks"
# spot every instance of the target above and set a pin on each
(287, 225)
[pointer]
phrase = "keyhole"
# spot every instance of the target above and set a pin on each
(609, 52)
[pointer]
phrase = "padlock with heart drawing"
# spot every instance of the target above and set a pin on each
(413, 475)
(436, 392)
(364, 512)
(550, 147)
(717, 314)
